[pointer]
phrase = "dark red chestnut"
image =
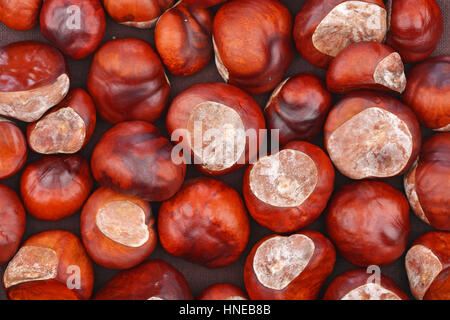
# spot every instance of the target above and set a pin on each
(54, 188)
(440, 288)
(34, 79)
(135, 159)
(117, 230)
(202, 3)
(372, 135)
(66, 128)
(13, 149)
(121, 90)
(152, 280)
(289, 268)
(20, 15)
(223, 291)
(210, 214)
(415, 28)
(42, 290)
(289, 190)
(252, 43)
(368, 221)
(298, 108)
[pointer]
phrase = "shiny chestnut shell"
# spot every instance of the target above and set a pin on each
(20, 15)
(222, 291)
(13, 149)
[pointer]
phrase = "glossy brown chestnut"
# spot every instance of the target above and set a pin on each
(289, 268)
(120, 90)
(427, 264)
(66, 128)
(13, 149)
(210, 214)
(19, 15)
(222, 291)
(152, 280)
(51, 255)
(135, 159)
(12, 223)
(252, 43)
(368, 221)
(428, 92)
(54, 188)
(289, 190)
(324, 27)
(141, 14)
(76, 27)
(366, 65)
(117, 230)
(360, 285)
(298, 108)
(34, 79)
(372, 135)
(416, 27)
(218, 124)
(183, 39)
(427, 184)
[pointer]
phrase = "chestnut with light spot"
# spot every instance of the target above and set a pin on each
(50, 265)
(289, 190)
(289, 267)
(20, 15)
(222, 291)
(117, 230)
(13, 149)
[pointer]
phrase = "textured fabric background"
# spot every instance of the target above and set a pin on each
(197, 276)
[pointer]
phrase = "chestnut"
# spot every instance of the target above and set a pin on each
(12, 223)
(372, 135)
(54, 188)
(141, 14)
(427, 264)
(289, 267)
(66, 128)
(416, 27)
(358, 285)
(152, 280)
(20, 15)
(34, 79)
(368, 221)
(210, 214)
(218, 124)
(51, 255)
(289, 190)
(427, 184)
(135, 159)
(183, 39)
(120, 90)
(203, 3)
(298, 108)
(223, 291)
(366, 65)
(76, 27)
(428, 92)
(117, 230)
(13, 149)
(324, 27)
(252, 43)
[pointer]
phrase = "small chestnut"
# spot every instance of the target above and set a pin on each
(372, 135)
(42, 290)
(209, 214)
(368, 221)
(203, 3)
(440, 288)
(20, 15)
(289, 267)
(13, 149)
(223, 291)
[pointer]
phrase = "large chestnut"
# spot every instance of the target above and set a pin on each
(324, 27)
(368, 221)
(54, 188)
(289, 190)
(219, 124)
(134, 158)
(372, 135)
(428, 92)
(289, 267)
(13, 149)
(210, 214)
(416, 27)
(76, 27)
(223, 291)
(152, 280)
(127, 81)
(48, 266)
(252, 43)
(202, 3)
(66, 128)
(117, 230)
(19, 15)
(34, 79)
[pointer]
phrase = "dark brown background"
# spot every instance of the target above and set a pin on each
(197, 276)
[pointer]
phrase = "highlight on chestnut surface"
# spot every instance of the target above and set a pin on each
(20, 15)
(222, 291)
(13, 149)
